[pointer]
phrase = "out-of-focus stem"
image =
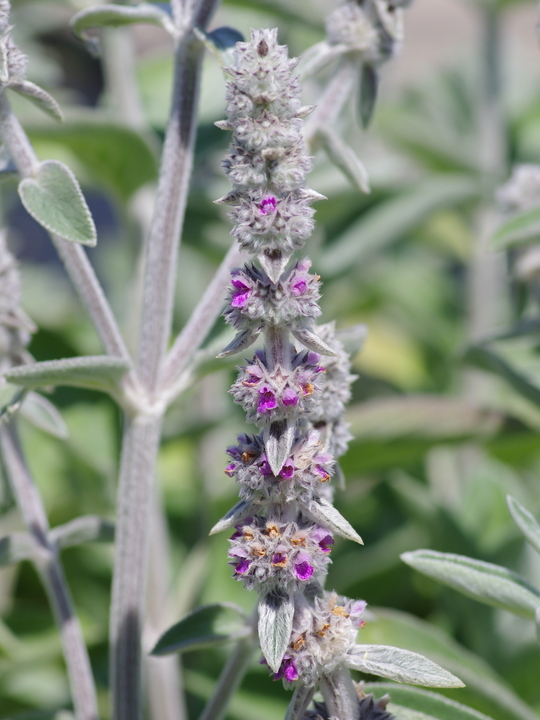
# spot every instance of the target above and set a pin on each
(73, 256)
(49, 567)
(486, 278)
(119, 66)
(231, 677)
(164, 674)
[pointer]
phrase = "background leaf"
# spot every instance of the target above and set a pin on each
(482, 581)
(114, 155)
(54, 199)
(204, 627)
(97, 373)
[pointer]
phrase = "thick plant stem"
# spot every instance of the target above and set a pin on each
(133, 533)
(203, 317)
(161, 251)
(73, 256)
(49, 567)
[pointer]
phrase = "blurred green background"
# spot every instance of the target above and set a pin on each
(434, 453)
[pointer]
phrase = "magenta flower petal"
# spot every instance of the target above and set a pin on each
(303, 570)
(267, 400)
(291, 673)
(265, 468)
(230, 469)
(299, 287)
(322, 472)
(240, 299)
(242, 567)
(287, 471)
(279, 559)
(289, 398)
(268, 205)
(303, 567)
(323, 538)
(287, 670)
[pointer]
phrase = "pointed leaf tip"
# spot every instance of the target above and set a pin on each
(235, 515)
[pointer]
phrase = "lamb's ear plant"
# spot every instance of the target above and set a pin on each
(293, 385)
(294, 389)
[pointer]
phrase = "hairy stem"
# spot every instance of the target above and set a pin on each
(486, 278)
(73, 256)
(48, 565)
(161, 250)
(200, 323)
(133, 532)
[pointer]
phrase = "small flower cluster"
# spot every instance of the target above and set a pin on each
(15, 326)
(522, 191)
(16, 61)
(255, 301)
(278, 555)
(304, 471)
(321, 638)
(284, 524)
(520, 194)
(335, 394)
(269, 395)
(372, 29)
(267, 163)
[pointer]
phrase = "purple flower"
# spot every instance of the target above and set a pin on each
(254, 376)
(289, 397)
(287, 471)
(279, 559)
(267, 400)
(242, 567)
(230, 469)
(287, 670)
(302, 567)
(323, 538)
(299, 287)
(322, 472)
(356, 610)
(240, 298)
(268, 205)
(265, 468)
